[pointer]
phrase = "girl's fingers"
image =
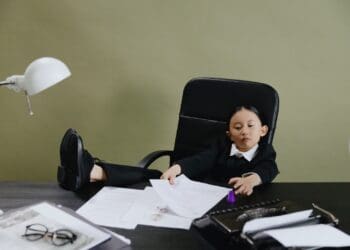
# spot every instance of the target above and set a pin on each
(172, 180)
(250, 192)
(233, 180)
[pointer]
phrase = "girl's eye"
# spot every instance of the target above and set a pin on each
(238, 128)
(250, 125)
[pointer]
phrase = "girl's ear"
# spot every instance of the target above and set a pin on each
(264, 130)
(228, 134)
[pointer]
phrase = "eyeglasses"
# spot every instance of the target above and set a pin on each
(59, 237)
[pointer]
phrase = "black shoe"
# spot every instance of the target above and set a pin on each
(76, 163)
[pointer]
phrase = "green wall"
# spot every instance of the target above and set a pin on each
(131, 59)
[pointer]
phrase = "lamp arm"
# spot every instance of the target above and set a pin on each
(4, 83)
(14, 82)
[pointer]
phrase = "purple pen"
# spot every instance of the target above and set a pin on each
(231, 198)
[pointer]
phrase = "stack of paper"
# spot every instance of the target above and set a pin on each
(319, 235)
(163, 205)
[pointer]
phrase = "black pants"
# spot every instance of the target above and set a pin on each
(123, 175)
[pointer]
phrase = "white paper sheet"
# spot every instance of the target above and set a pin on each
(275, 221)
(189, 198)
(319, 235)
(109, 205)
(151, 210)
(125, 208)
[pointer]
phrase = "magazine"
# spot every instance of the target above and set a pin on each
(46, 226)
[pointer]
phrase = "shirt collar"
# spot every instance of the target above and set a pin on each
(248, 155)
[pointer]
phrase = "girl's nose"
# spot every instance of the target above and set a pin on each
(244, 131)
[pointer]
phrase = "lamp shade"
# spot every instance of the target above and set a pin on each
(42, 74)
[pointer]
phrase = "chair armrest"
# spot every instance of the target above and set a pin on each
(151, 157)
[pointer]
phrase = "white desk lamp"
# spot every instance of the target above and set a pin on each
(41, 74)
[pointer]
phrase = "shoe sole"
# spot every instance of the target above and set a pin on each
(65, 175)
(80, 163)
(70, 171)
(64, 145)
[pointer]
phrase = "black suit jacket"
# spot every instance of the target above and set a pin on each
(216, 163)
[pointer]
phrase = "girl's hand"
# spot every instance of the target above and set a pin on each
(171, 173)
(245, 185)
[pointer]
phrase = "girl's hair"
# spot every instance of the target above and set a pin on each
(251, 109)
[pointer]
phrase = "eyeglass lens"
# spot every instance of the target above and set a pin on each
(62, 236)
(35, 232)
(59, 237)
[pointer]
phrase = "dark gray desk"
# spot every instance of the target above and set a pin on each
(331, 196)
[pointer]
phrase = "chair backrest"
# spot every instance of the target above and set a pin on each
(207, 104)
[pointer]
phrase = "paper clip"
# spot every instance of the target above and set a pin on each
(159, 214)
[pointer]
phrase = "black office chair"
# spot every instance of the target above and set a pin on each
(206, 106)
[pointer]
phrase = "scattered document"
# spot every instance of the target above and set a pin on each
(189, 198)
(319, 235)
(13, 226)
(151, 210)
(109, 206)
(163, 205)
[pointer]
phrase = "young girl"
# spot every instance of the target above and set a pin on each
(238, 160)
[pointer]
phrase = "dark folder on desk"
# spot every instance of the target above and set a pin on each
(223, 228)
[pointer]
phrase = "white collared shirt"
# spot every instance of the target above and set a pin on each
(248, 155)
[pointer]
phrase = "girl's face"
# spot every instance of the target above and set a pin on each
(245, 129)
